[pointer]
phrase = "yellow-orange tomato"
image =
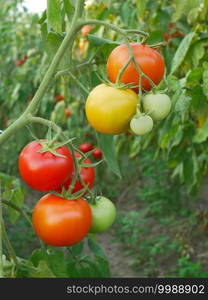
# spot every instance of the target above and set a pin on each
(61, 222)
(109, 110)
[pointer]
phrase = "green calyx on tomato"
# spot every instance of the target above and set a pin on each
(103, 214)
(109, 110)
(61, 222)
(87, 175)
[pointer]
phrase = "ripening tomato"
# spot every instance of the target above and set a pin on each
(67, 112)
(21, 61)
(150, 61)
(85, 147)
(61, 222)
(109, 110)
(103, 214)
(97, 154)
(141, 125)
(86, 30)
(158, 106)
(45, 171)
(87, 174)
(59, 97)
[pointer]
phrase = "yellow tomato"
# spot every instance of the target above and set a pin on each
(109, 110)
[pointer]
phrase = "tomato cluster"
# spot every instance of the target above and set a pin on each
(112, 108)
(61, 219)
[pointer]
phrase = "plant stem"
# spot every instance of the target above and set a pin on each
(78, 83)
(8, 245)
(1, 246)
(33, 106)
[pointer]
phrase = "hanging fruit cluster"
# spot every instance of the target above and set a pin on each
(126, 101)
(63, 217)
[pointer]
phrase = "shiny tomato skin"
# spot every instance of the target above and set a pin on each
(97, 154)
(44, 171)
(109, 109)
(85, 147)
(87, 174)
(61, 222)
(150, 61)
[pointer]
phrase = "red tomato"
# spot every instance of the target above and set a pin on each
(86, 30)
(5, 122)
(59, 97)
(85, 147)
(44, 171)
(97, 154)
(67, 112)
(149, 60)
(61, 222)
(178, 33)
(87, 174)
(167, 36)
(21, 61)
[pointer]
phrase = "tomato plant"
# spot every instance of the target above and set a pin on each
(61, 222)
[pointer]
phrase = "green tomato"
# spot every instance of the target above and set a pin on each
(141, 125)
(103, 214)
(157, 106)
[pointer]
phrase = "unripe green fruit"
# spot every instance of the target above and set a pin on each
(141, 125)
(157, 106)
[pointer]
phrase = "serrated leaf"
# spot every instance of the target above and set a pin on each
(181, 52)
(54, 15)
(106, 143)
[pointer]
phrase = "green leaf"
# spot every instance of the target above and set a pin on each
(95, 248)
(69, 8)
(42, 271)
(196, 52)
(77, 248)
(54, 15)
(97, 41)
(37, 256)
(205, 83)
(15, 196)
(57, 263)
(201, 134)
(181, 52)
(106, 143)
(141, 8)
